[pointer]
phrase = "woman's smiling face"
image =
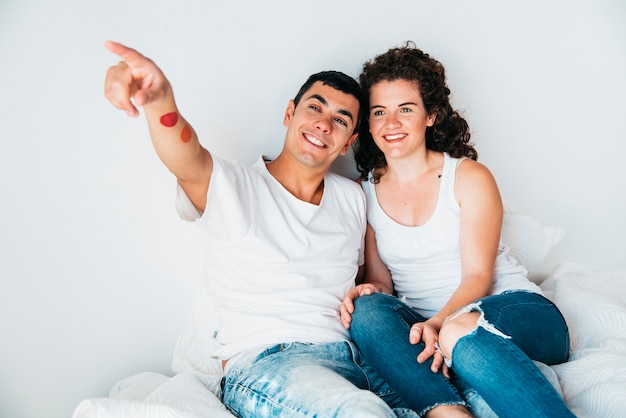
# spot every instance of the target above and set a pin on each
(397, 117)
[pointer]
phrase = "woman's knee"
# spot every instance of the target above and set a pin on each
(371, 301)
(370, 311)
(367, 307)
(456, 327)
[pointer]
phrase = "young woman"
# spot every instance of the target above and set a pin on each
(433, 240)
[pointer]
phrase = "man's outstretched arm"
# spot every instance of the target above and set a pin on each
(138, 82)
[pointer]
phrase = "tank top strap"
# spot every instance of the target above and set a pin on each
(448, 177)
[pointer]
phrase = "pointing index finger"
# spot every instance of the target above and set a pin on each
(127, 54)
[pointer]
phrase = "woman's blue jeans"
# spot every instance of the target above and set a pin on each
(495, 359)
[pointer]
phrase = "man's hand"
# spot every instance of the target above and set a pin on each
(347, 306)
(135, 81)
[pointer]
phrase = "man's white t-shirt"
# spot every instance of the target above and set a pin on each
(277, 267)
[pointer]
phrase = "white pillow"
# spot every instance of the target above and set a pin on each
(197, 341)
(528, 240)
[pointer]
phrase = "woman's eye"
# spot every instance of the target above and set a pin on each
(405, 110)
(377, 113)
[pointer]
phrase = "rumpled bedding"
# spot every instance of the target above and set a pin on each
(593, 381)
(593, 303)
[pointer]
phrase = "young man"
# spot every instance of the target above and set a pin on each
(286, 245)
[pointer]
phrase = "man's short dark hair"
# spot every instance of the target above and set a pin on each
(338, 81)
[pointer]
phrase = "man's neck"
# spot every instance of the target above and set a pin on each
(306, 185)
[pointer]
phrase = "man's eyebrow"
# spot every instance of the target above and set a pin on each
(318, 98)
(325, 103)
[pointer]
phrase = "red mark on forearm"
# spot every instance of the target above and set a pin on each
(185, 134)
(169, 119)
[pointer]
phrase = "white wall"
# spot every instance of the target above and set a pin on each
(97, 272)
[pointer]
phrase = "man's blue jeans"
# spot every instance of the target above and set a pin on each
(309, 380)
(495, 360)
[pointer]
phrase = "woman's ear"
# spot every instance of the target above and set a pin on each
(430, 120)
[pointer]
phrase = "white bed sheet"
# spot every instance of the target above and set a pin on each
(593, 303)
(593, 382)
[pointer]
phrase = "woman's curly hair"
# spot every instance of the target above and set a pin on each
(449, 133)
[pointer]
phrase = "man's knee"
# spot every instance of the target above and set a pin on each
(363, 403)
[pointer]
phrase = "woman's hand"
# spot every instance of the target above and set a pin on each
(429, 335)
(347, 306)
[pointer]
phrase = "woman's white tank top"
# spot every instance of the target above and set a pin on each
(425, 260)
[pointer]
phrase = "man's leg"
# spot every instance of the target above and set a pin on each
(300, 380)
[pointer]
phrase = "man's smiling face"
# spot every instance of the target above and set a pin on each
(321, 127)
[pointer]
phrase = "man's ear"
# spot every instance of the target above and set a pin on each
(291, 108)
(345, 149)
